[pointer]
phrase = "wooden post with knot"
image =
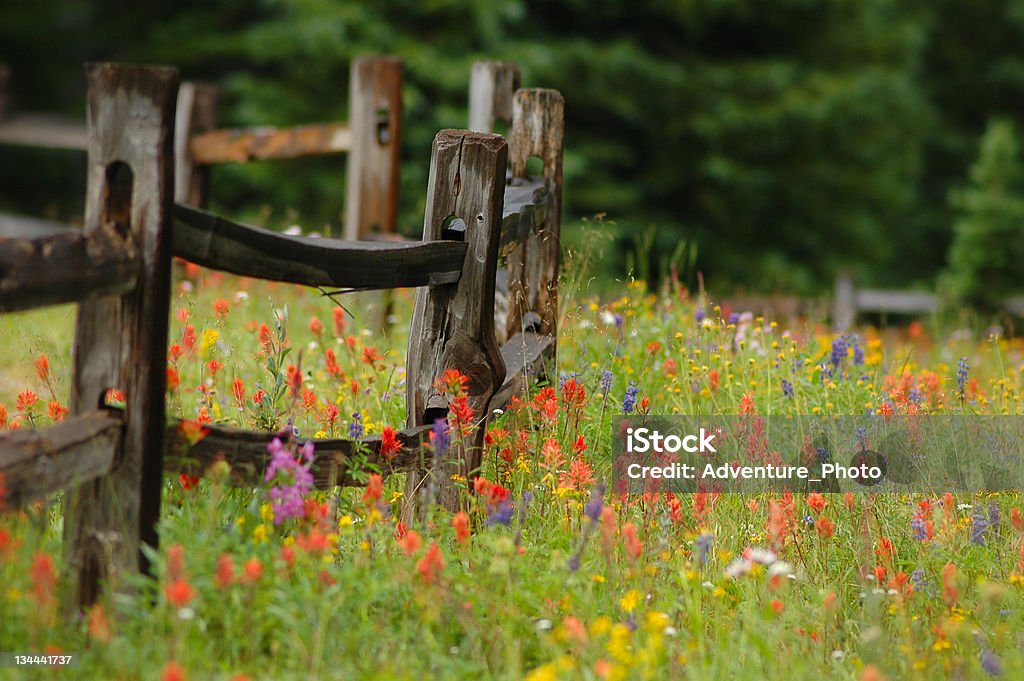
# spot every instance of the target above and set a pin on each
(121, 341)
(453, 324)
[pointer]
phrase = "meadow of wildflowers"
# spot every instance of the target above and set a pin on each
(546, 573)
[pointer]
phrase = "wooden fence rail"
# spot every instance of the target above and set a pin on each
(371, 137)
(111, 462)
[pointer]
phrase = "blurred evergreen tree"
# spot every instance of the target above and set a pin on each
(988, 235)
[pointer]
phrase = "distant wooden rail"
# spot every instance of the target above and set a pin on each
(481, 207)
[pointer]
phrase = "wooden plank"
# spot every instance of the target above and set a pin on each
(534, 267)
(527, 202)
(267, 142)
(900, 302)
(372, 177)
(210, 240)
(196, 113)
(121, 342)
(63, 268)
(492, 85)
(27, 227)
(246, 453)
(453, 325)
(43, 130)
(524, 355)
(37, 463)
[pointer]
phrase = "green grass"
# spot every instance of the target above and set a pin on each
(350, 603)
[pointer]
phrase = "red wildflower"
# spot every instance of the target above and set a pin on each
(574, 394)
(552, 453)
(747, 406)
(1015, 517)
(885, 550)
(55, 411)
(338, 314)
(374, 489)
(390, 445)
(579, 477)
(294, 380)
(44, 577)
(173, 672)
(258, 396)
(225, 570)
(252, 570)
(653, 347)
(633, 546)
(316, 327)
(777, 606)
(221, 307)
(238, 391)
(579, 446)
(431, 564)
(675, 508)
(26, 400)
(825, 527)
(179, 592)
(901, 582)
(188, 337)
(462, 415)
(187, 481)
(816, 501)
(173, 379)
(453, 382)
(3, 416)
(175, 561)
(332, 362)
(43, 368)
(99, 624)
(950, 592)
(308, 399)
(266, 339)
(460, 523)
(370, 355)
(411, 542)
(669, 367)
(174, 352)
(713, 380)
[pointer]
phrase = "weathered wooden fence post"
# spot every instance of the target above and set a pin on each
(453, 324)
(492, 85)
(196, 112)
(375, 122)
(538, 121)
(121, 342)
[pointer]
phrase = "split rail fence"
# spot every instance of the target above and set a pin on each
(481, 208)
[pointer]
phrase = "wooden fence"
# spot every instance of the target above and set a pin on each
(371, 137)
(481, 207)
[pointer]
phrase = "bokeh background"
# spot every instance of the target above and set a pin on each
(766, 144)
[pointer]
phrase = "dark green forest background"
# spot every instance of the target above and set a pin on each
(785, 139)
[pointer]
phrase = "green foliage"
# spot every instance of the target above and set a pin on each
(818, 134)
(988, 242)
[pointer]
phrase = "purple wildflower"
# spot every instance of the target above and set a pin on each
(606, 382)
(979, 521)
(703, 546)
(699, 315)
(962, 368)
(574, 562)
(787, 388)
(502, 515)
(355, 426)
(439, 437)
(991, 663)
(918, 526)
(629, 401)
(734, 318)
(595, 504)
(993, 514)
(291, 478)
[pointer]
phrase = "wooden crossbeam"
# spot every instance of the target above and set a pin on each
(266, 142)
